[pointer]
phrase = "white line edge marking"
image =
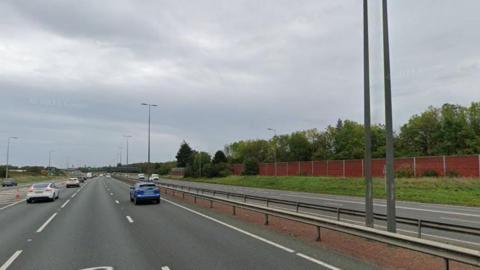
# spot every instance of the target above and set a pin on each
(117, 202)
(326, 265)
(11, 259)
(73, 195)
(461, 220)
(165, 268)
(129, 219)
(233, 227)
(111, 194)
(65, 203)
(12, 204)
(46, 223)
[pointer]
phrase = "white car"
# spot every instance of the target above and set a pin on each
(141, 176)
(43, 191)
(154, 177)
(72, 182)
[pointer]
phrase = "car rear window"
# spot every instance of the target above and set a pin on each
(147, 185)
(40, 185)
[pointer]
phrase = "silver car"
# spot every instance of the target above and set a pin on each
(43, 191)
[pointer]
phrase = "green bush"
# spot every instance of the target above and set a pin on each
(404, 172)
(250, 166)
(452, 173)
(430, 173)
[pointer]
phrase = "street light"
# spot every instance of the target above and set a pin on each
(126, 137)
(50, 161)
(274, 151)
(367, 166)
(389, 160)
(149, 109)
(8, 153)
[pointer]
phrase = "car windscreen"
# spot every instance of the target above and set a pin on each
(40, 185)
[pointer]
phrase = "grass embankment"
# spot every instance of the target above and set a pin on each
(458, 191)
(26, 179)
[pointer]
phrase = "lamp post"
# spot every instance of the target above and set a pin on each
(367, 166)
(274, 150)
(126, 138)
(8, 154)
(50, 161)
(390, 173)
(149, 109)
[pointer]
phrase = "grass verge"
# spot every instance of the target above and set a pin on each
(457, 191)
(26, 179)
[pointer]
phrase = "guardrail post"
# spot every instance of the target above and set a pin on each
(319, 234)
(173, 192)
(234, 210)
(338, 214)
(267, 202)
(419, 231)
(244, 198)
(447, 263)
(266, 219)
(297, 206)
(194, 199)
(214, 193)
(183, 195)
(211, 203)
(228, 195)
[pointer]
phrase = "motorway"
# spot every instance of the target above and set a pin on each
(97, 226)
(468, 216)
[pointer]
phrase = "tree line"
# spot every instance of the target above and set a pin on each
(446, 130)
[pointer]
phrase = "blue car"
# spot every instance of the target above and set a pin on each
(142, 192)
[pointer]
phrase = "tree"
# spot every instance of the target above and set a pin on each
(184, 155)
(250, 166)
(299, 147)
(200, 160)
(219, 157)
(348, 140)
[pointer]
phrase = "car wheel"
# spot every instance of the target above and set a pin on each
(131, 199)
(29, 201)
(135, 201)
(157, 201)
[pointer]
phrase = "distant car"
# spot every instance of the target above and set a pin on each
(9, 182)
(72, 182)
(108, 175)
(154, 177)
(141, 176)
(43, 191)
(143, 191)
(81, 179)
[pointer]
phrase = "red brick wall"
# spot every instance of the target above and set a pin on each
(466, 166)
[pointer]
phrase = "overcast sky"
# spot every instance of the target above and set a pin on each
(73, 73)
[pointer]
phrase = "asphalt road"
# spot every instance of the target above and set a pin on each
(96, 225)
(468, 216)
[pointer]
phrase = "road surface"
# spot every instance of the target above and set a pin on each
(468, 216)
(96, 225)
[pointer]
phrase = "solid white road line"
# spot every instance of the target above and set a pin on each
(129, 219)
(65, 203)
(384, 205)
(326, 265)
(165, 268)
(73, 195)
(12, 204)
(117, 202)
(10, 260)
(111, 194)
(46, 223)
(461, 220)
(233, 227)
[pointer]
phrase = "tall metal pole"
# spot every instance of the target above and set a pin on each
(274, 151)
(149, 109)
(390, 174)
(367, 122)
(127, 136)
(8, 155)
